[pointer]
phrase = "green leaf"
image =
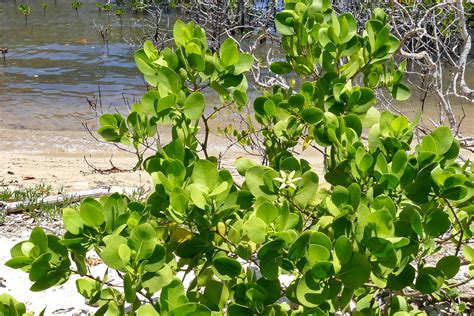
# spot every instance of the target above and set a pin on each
(310, 292)
(111, 255)
(267, 212)
(400, 92)
(244, 64)
(443, 138)
(254, 180)
(87, 287)
(468, 253)
(340, 195)
(356, 272)
(173, 295)
(284, 21)
(449, 265)
(155, 281)
(281, 68)
(205, 175)
(150, 50)
(437, 223)
(256, 230)
(143, 63)
(147, 310)
(191, 309)
(312, 115)
(168, 81)
(194, 105)
(242, 164)
(343, 248)
(382, 222)
(227, 268)
(39, 239)
(397, 282)
(228, 53)
(323, 270)
(182, 32)
(143, 240)
(216, 294)
(72, 221)
(91, 212)
(307, 188)
(429, 280)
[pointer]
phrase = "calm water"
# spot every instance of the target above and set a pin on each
(56, 61)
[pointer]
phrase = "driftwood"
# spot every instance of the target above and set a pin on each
(13, 207)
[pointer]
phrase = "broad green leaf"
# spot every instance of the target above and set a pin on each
(91, 212)
(312, 115)
(227, 268)
(284, 21)
(429, 280)
(205, 175)
(181, 33)
(310, 292)
(242, 164)
(143, 240)
(194, 105)
(267, 212)
(449, 265)
(244, 64)
(343, 248)
(228, 53)
(168, 81)
(443, 138)
(256, 229)
(155, 281)
(72, 221)
(143, 63)
(150, 50)
(173, 295)
(397, 282)
(254, 180)
(437, 223)
(382, 222)
(147, 310)
(356, 272)
(281, 68)
(307, 188)
(191, 309)
(111, 255)
(216, 294)
(87, 287)
(400, 92)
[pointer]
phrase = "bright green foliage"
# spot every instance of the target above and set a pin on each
(277, 242)
(76, 5)
(25, 10)
(10, 307)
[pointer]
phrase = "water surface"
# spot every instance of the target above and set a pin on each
(56, 61)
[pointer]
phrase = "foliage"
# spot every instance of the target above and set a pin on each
(10, 307)
(25, 10)
(76, 5)
(277, 240)
(45, 6)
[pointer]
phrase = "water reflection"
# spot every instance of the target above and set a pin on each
(55, 62)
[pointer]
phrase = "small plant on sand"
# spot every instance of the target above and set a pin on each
(272, 238)
(76, 5)
(119, 13)
(25, 10)
(45, 7)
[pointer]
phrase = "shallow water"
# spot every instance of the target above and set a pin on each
(57, 61)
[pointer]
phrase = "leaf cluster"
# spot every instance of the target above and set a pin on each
(283, 241)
